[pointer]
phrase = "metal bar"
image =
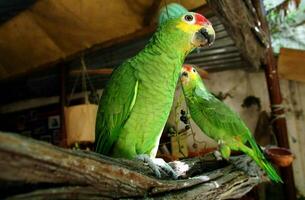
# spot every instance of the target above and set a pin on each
(226, 66)
(220, 42)
(219, 62)
(214, 57)
(218, 27)
(219, 50)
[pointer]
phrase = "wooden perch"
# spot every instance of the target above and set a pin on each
(34, 169)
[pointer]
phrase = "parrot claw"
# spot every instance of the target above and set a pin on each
(158, 165)
(217, 155)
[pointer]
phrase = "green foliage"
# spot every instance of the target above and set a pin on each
(287, 24)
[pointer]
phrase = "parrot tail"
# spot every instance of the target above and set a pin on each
(256, 154)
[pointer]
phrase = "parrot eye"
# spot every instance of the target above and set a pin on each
(194, 70)
(189, 19)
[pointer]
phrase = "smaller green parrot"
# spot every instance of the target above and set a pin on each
(219, 122)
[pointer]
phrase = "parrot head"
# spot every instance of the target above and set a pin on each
(198, 27)
(190, 75)
(193, 25)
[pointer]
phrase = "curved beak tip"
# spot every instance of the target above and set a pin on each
(207, 34)
(211, 37)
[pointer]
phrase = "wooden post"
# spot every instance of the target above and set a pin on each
(279, 125)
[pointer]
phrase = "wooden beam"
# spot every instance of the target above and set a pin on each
(38, 102)
(31, 169)
(275, 96)
(240, 24)
(104, 71)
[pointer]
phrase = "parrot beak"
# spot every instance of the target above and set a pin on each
(205, 35)
(184, 77)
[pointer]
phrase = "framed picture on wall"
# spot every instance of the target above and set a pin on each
(54, 122)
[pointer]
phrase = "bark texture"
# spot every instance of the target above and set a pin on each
(31, 169)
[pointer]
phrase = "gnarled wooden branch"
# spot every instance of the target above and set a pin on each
(33, 169)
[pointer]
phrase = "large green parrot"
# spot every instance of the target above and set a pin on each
(219, 122)
(137, 100)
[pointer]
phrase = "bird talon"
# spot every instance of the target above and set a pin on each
(157, 165)
(217, 155)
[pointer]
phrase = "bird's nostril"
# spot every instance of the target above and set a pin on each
(203, 31)
(184, 74)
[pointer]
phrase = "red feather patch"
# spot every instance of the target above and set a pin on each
(188, 67)
(201, 20)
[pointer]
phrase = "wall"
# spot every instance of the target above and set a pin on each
(294, 100)
(41, 123)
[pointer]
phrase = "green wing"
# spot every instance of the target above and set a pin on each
(213, 116)
(115, 105)
(220, 122)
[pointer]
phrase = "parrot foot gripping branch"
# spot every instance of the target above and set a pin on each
(34, 169)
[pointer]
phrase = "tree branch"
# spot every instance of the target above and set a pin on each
(33, 169)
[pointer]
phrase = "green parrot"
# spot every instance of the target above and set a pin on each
(219, 122)
(136, 102)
